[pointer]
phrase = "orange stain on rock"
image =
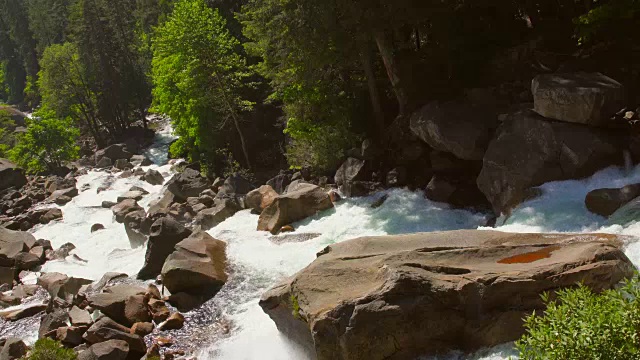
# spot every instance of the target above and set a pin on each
(530, 256)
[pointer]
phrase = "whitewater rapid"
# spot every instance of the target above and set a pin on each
(256, 262)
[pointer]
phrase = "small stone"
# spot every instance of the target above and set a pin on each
(108, 204)
(79, 317)
(153, 292)
(62, 200)
(174, 322)
(135, 309)
(13, 349)
(96, 227)
(142, 328)
(287, 229)
(164, 341)
(159, 310)
(334, 196)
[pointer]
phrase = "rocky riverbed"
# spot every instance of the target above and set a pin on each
(133, 255)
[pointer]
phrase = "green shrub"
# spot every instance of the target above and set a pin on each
(581, 324)
(319, 124)
(610, 21)
(48, 349)
(7, 139)
(47, 143)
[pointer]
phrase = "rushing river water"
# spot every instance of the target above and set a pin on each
(232, 325)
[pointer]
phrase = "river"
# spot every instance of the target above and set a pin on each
(232, 325)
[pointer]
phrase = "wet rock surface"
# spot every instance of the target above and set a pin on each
(417, 294)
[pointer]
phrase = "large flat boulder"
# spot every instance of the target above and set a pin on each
(11, 175)
(305, 201)
(529, 150)
(405, 296)
(584, 98)
(455, 127)
(197, 266)
(189, 183)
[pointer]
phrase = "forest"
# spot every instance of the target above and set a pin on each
(270, 84)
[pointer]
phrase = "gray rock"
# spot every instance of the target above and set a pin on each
(140, 160)
(80, 317)
(455, 127)
(153, 177)
(584, 98)
(112, 301)
(605, 202)
(122, 164)
(280, 183)
(11, 175)
(96, 227)
(294, 206)
(108, 204)
(107, 350)
(529, 150)
(113, 152)
(164, 235)
(352, 170)
(197, 266)
(135, 195)
(125, 207)
(235, 184)
(222, 210)
(104, 163)
(105, 330)
(13, 349)
(188, 183)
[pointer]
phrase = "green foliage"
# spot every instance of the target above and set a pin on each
(64, 86)
(583, 325)
(313, 62)
(48, 349)
(4, 89)
(318, 124)
(295, 305)
(199, 79)
(230, 166)
(47, 143)
(611, 21)
(7, 139)
(48, 20)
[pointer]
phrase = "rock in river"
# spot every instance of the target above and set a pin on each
(294, 206)
(405, 296)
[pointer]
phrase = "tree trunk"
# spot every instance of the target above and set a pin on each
(374, 94)
(242, 142)
(386, 52)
